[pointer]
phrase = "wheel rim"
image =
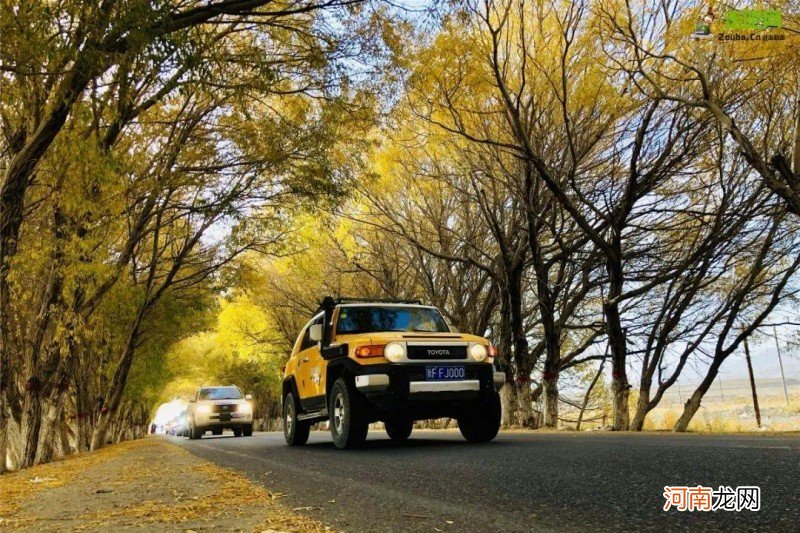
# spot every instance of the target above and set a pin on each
(338, 413)
(289, 419)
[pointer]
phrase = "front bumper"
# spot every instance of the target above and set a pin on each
(228, 420)
(399, 386)
(382, 382)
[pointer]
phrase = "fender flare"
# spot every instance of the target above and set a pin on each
(289, 383)
(339, 366)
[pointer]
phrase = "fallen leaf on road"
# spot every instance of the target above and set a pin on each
(416, 516)
(38, 479)
(103, 491)
(306, 508)
(449, 521)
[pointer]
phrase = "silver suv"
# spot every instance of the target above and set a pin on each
(217, 408)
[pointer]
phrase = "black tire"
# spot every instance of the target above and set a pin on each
(348, 421)
(195, 432)
(294, 431)
(237, 432)
(399, 427)
(482, 420)
(247, 431)
(216, 432)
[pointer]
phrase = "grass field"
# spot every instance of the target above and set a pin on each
(728, 407)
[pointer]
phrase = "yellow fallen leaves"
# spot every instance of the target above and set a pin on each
(139, 483)
(224, 493)
(15, 487)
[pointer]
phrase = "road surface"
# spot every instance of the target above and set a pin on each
(519, 482)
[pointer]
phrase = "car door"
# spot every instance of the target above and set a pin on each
(310, 371)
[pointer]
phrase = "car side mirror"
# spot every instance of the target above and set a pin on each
(248, 397)
(315, 332)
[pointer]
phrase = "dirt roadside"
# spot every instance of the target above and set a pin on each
(147, 485)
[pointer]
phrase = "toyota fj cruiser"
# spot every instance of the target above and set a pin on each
(362, 361)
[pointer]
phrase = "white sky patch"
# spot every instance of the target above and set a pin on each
(169, 410)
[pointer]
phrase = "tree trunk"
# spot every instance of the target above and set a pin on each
(693, 403)
(752, 380)
(642, 406)
(523, 409)
(796, 150)
(550, 385)
(4, 420)
(507, 401)
(33, 425)
(620, 388)
(114, 396)
(546, 302)
(47, 437)
(589, 392)
(517, 411)
(619, 405)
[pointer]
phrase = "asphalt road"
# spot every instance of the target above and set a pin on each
(519, 482)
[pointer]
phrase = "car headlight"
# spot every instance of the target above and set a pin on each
(478, 352)
(203, 409)
(394, 352)
(245, 408)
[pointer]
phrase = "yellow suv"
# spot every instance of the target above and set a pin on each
(395, 361)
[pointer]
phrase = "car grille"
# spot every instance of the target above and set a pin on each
(437, 352)
(225, 408)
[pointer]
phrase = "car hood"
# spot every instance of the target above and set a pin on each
(411, 336)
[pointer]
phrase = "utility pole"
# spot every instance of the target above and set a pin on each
(780, 363)
(752, 382)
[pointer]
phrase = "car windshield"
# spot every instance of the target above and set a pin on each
(366, 319)
(221, 393)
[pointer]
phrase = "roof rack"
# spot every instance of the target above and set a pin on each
(329, 302)
(343, 300)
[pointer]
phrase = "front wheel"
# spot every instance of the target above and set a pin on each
(399, 428)
(348, 420)
(195, 432)
(294, 431)
(482, 420)
(247, 431)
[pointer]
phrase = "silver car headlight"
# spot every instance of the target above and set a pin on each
(394, 352)
(478, 352)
